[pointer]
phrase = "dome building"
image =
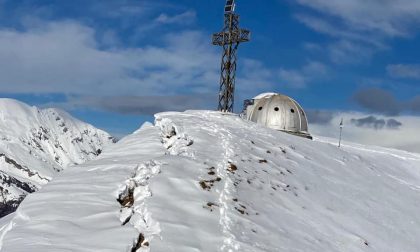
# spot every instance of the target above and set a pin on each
(279, 112)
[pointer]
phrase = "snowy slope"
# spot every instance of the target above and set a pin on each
(35, 144)
(206, 181)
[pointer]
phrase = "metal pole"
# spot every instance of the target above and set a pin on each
(341, 132)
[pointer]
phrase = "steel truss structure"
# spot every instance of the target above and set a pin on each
(229, 39)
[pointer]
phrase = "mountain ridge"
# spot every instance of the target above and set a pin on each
(36, 144)
(210, 181)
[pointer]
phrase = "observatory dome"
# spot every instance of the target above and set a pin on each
(278, 112)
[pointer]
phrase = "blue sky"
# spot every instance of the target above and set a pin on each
(114, 63)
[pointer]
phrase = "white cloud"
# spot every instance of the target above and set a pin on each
(64, 57)
(292, 78)
(409, 71)
(110, 38)
(68, 57)
(349, 52)
(122, 9)
(254, 77)
(403, 138)
(360, 28)
(391, 18)
(182, 19)
(299, 78)
(323, 26)
(187, 17)
(312, 47)
(137, 105)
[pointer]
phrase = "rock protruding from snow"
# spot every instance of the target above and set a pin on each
(208, 181)
(35, 144)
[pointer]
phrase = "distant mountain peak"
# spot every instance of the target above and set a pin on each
(36, 143)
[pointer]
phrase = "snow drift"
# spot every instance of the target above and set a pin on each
(35, 144)
(206, 181)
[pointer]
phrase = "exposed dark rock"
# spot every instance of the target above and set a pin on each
(21, 167)
(9, 207)
(9, 181)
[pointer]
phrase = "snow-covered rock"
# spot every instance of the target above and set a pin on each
(207, 181)
(36, 144)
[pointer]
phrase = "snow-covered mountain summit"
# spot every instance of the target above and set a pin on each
(35, 144)
(206, 181)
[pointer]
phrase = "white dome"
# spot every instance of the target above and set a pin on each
(278, 112)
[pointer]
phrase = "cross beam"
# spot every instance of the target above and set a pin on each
(229, 39)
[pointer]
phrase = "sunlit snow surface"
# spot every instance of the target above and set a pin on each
(206, 181)
(36, 144)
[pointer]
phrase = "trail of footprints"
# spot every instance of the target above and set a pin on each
(132, 206)
(253, 178)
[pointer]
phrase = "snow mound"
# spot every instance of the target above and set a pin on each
(264, 95)
(36, 144)
(207, 181)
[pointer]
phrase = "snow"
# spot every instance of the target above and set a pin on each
(264, 95)
(208, 181)
(36, 144)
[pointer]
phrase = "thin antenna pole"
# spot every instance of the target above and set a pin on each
(341, 132)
